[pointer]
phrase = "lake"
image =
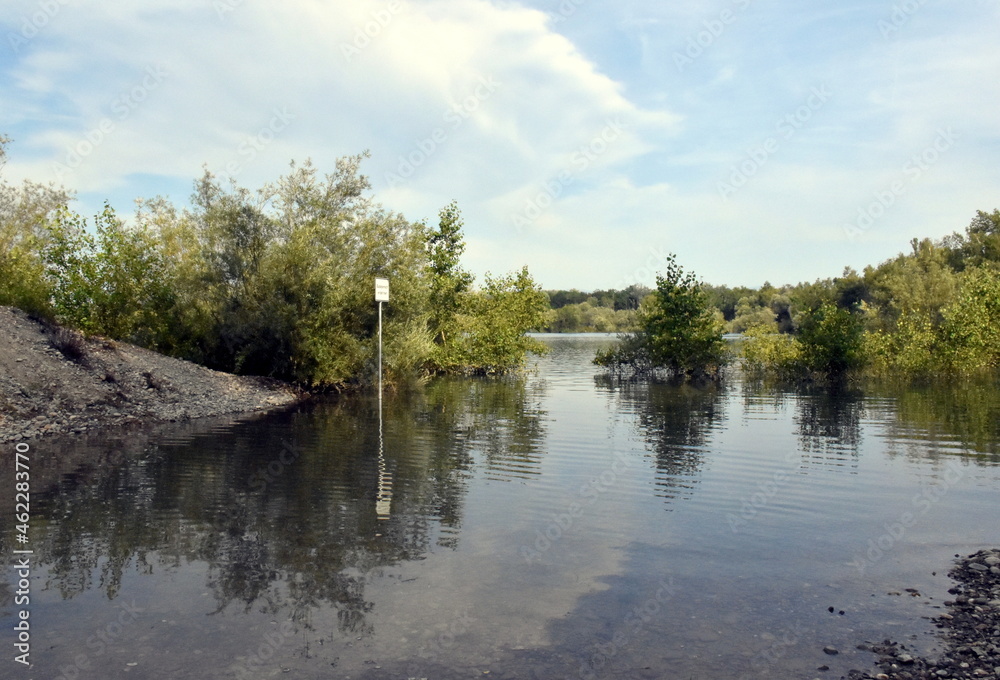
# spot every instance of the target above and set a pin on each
(554, 525)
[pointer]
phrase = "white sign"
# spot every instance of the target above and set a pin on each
(381, 290)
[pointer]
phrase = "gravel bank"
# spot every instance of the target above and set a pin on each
(53, 380)
(970, 629)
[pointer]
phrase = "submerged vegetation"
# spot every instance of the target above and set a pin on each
(277, 282)
(678, 331)
(935, 310)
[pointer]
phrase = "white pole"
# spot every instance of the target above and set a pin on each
(380, 356)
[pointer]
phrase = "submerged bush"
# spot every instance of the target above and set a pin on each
(962, 337)
(830, 339)
(763, 350)
(679, 332)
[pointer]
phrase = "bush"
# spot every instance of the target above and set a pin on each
(490, 332)
(679, 332)
(115, 284)
(765, 351)
(831, 340)
(71, 344)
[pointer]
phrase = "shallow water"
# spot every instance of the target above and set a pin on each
(557, 525)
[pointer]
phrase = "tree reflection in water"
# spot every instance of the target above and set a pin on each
(284, 510)
(677, 421)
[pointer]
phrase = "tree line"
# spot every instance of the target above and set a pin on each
(935, 309)
(276, 282)
(602, 311)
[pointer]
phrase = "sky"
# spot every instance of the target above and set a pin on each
(758, 140)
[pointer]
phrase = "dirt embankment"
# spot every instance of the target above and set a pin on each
(55, 380)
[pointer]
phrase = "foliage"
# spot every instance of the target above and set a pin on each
(628, 298)
(274, 282)
(602, 311)
(115, 283)
(25, 213)
(979, 246)
(449, 283)
(748, 315)
(910, 348)
(965, 340)
(921, 283)
(288, 273)
(932, 310)
(589, 317)
(492, 325)
(279, 282)
(830, 340)
(972, 323)
(678, 330)
(764, 350)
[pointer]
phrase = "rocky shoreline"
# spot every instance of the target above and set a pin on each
(971, 630)
(57, 381)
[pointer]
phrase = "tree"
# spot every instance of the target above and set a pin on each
(26, 211)
(831, 340)
(678, 330)
(750, 315)
(448, 281)
(979, 246)
(114, 283)
(497, 319)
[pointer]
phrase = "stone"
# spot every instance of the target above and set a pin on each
(830, 650)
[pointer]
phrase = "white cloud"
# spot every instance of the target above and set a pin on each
(534, 100)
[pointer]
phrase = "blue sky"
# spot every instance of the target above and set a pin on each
(756, 139)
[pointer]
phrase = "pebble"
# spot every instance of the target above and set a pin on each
(970, 630)
(830, 650)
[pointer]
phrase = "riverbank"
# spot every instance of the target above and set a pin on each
(971, 630)
(54, 380)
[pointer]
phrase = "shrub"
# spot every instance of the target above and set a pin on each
(678, 331)
(831, 340)
(765, 351)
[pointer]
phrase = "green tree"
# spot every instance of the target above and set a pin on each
(678, 330)
(499, 316)
(448, 281)
(979, 246)
(751, 315)
(971, 328)
(921, 283)
(492, 325)
(831, 340)
(114, 283)
(26, 211)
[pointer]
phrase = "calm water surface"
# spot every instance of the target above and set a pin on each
(558, 525)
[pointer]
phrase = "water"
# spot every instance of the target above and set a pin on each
(557, 525)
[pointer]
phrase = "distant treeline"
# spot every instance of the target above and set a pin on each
(935, 309)
(603, 311)
(277, 282)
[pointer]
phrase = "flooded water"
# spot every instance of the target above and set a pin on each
(556, 525)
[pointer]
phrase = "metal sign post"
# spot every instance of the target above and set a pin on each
(381, 295)
(384, 497)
